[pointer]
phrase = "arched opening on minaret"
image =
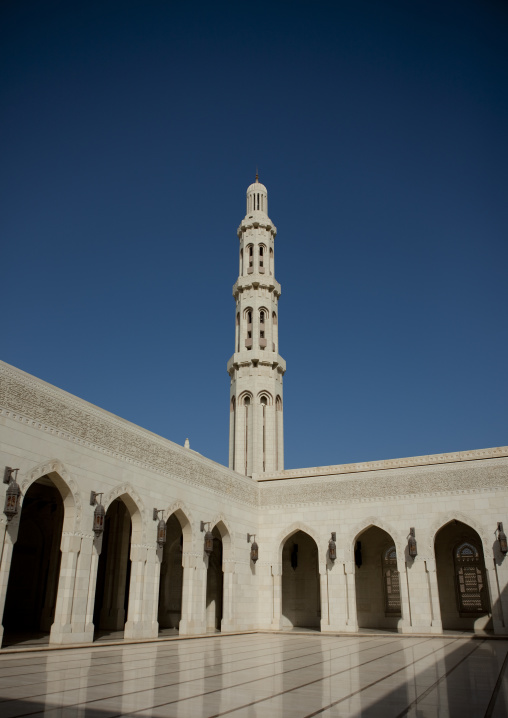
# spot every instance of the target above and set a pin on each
(171, 578)
(461, 578)
(301, 596)
(262, 252)
(237, 332)
(232, 434)
(278, 433)
(275, 333)
(250, 254)
(377, 580)
(271, 260)
(35, 568)
(241, 262)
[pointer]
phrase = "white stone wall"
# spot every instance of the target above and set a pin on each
(47, 432)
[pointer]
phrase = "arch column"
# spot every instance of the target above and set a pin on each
(324, 598)
(405, 623)
(498, 617)
(350, 583)
(141, 594)
(277, 597)
(436, 623)
(193, 620)
(228, 622)
(72, 623)
(9, 534)
(337, 597)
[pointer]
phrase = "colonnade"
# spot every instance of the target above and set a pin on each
(77, 585)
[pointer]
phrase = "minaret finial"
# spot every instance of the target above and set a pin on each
(257, 176)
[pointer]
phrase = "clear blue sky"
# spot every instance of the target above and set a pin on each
(130, 132)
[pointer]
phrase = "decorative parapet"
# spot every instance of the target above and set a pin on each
(430, 459)
(44, 407)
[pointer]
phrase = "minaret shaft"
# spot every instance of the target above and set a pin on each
(256, 369)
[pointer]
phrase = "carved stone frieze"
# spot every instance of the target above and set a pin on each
(44, 407)
(431, 480)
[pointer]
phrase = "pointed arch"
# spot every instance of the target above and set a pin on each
(223, 527)
(129, 496)
(376, 522)
(447, 517)
(265, 395)
(66, 486)
(186, 521)
(286, 533)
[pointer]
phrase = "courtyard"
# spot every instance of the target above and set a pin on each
(261, 674)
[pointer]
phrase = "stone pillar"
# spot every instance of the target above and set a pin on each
(277, 598)
(337, 597)
(95, 551)
(140, 623)
(191, 597)
(8, 537)
(405, 603)
(352, 615)
(228, 597)
(62, 625)
(495, 599)
(501, 576)
(323, 594)
(436, 625)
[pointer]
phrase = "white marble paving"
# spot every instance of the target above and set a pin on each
(266, 675)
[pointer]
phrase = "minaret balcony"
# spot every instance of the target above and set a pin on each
(244, 358)
(256, 281)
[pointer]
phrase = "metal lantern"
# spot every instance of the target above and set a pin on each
(411, 543)
(254, 549)
(209, 543)
(161, 533)
(501, 537)
(12, 499)
(99, 515)
(332, 547)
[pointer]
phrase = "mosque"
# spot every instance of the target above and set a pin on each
(109, 529)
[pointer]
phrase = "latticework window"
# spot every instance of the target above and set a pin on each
(391, 580)
(471, 589)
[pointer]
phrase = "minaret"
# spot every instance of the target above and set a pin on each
(256, 429)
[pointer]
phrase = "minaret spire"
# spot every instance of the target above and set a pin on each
(256, 368)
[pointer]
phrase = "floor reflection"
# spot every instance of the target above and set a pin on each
(274, 674)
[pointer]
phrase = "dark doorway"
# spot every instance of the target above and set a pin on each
(35, 570)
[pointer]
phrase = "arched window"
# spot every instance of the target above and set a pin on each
(391, 580)
(470, 581)
(271, 260)
(241, 262)
(261, 259)
(248, 336)
(250, 252)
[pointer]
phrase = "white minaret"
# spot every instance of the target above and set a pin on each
(255, 433)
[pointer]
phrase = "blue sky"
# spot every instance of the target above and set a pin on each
(130, 132)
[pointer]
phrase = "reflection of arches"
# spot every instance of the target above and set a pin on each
(377, 580)
(461, 577)
(301, 599)
(35, 569)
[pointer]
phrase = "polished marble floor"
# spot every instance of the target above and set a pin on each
(266, 675)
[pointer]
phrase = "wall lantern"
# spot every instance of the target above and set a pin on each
(12, 494)
(208, 538)
(99, 513)
(501, 537)
(161, 527)
(254, 550)
(332, 547)
(411, 543)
